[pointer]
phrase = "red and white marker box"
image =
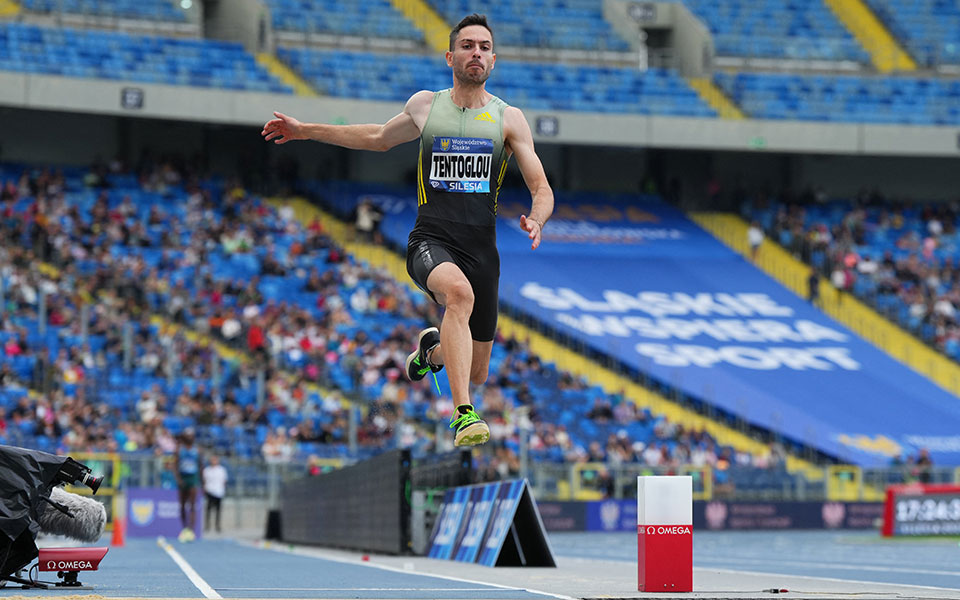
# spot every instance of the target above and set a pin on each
(665, 533)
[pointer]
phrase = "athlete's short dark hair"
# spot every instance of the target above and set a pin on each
(467, 21)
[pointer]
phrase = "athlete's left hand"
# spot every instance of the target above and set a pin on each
(532, 227)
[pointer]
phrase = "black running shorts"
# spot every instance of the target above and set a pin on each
(478, 260)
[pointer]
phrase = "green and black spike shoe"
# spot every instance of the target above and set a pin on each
(471, 429)
(417, 365)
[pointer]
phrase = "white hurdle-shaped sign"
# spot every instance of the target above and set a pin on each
(665, 533)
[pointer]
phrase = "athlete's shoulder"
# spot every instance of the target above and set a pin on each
(500, 102)
(420, 99)
(513, 116)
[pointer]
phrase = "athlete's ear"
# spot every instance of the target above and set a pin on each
(449, 56)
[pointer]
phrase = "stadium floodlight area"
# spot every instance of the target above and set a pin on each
(844, 98)
(930, 29)
(128, 57)
(374, 76)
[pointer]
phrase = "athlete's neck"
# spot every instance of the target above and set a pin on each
(472, 96)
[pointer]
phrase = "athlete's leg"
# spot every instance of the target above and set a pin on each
(483, 320)
(479, 365)
(192, 507)
(451, 289)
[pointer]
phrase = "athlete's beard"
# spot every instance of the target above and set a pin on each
(470, 79)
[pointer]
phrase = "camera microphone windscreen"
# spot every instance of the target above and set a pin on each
(85, 522)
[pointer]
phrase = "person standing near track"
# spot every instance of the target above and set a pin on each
(188, 478)
(467, 137)
(214, 489)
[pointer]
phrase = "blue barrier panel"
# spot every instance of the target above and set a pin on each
(508, 498)
(497, 521)
(449, 523)
(482, 499)
(634, 279)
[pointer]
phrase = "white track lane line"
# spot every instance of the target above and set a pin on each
(359, 589)
(194, 577)
(319, 555)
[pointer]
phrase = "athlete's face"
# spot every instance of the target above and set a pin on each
(472, 58)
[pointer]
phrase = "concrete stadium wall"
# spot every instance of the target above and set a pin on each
(224, 129)
(249, 108)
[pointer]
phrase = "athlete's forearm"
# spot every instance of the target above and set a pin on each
(356, 137)
(542, 206)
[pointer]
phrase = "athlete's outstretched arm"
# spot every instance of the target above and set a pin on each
(404, 127)
(520, 141)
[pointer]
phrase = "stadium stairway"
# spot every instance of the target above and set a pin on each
(792, 273)
(714, 96)
(548, 350)
(283, 73)
(885, 52)
(9, 8)
(435, 29)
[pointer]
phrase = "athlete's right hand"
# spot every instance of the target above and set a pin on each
(282, 129)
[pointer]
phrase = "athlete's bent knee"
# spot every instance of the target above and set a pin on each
(478, 378)
(460, 295)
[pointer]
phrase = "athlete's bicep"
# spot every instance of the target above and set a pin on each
(398, 130)
(406, 126)
(520, 141)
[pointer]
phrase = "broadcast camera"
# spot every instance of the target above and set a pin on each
(73, 472)
(32, 502)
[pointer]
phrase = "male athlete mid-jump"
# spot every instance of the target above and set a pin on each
(467, 136)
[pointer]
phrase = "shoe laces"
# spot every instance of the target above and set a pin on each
(465, 418)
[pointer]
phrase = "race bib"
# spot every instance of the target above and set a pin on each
(461, 164)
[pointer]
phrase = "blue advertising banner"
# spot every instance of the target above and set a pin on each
(155, 511)
(567, 515)
(612, 515)
(635, 279)
(482, 499)
(494, 524)
(449, 523)
(508, 497)
(621, 515)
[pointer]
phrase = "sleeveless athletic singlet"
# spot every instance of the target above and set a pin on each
(460, 168)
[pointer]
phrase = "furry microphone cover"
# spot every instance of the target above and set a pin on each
(89, 517)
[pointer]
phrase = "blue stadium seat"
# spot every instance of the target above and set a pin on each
(128, 57)
(930, 29)
(527, 85)
(150, 10)
(367, 18)
(792, 29)
(561, 24)
(844, 98)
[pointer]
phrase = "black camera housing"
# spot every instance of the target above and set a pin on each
(73, 472)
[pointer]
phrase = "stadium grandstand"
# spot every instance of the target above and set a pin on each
(751, 276)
